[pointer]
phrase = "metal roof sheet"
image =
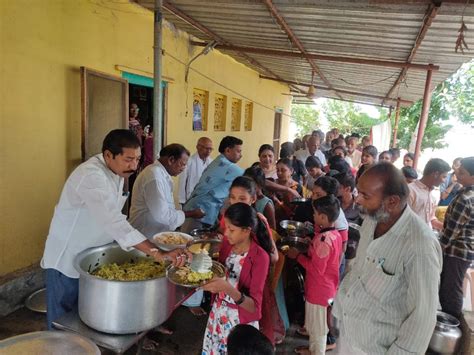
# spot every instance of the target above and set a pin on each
(366, 29)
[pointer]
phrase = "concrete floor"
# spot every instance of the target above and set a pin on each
(186, 339)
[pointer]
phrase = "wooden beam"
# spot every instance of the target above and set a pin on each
(395, 128)
(296, 41)
(406, 102)
(200, 27)
(288, 54)
(427, 21)
(423, 118)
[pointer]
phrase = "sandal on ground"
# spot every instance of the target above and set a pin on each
(163, 330)
(302, 331)
(302, 349)
(197, 311)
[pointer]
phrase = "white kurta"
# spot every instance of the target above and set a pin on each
(189, 178)
(153, 209)
(304, 154)
(88, 214)
(387, 303)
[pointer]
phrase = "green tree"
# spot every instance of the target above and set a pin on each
(305, 117)
(458, 93)
(453, 97)
(435, 126)
(349, 118)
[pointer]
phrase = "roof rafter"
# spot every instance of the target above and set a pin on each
(405, 102)
(431, 13)
(188, 19)
(282, 53)
(295, 40)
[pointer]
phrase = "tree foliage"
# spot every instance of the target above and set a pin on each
(349, 118)
(457, 94)
(453, 97)
(306, 118)
(436, 127)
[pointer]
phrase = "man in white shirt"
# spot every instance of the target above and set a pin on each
(387, 303)
(89, 214)
(352, 152)
(197, 163)
(422, 201)
(152, 209)
(312, 148)
(326, 145)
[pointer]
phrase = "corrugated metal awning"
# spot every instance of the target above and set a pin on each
(382, 30)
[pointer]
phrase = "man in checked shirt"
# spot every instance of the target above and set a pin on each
(457, 241)
(387, 303)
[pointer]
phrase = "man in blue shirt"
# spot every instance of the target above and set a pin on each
(213, 186)
(450, 187)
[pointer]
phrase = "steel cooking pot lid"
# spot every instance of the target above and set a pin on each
(48, 342)
(36, 302)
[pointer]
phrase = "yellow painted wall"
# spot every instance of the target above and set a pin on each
(42, 46)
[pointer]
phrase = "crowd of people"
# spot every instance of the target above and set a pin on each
(374, 262)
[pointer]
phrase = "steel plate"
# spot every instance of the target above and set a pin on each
(36, 302)
(48, 342)
(217, 268)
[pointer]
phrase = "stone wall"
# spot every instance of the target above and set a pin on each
(15, 287)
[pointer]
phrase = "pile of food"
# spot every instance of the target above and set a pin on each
(172, 238)
(441, 212)
(186, 276)
(132, 271)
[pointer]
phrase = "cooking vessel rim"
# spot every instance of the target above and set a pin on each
(105, 247)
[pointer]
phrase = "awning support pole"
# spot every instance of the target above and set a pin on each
(424, 117)
(157, 89)
(395, 128)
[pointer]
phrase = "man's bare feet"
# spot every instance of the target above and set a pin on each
(150, 345)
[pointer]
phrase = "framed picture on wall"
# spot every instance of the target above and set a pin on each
(197, 116)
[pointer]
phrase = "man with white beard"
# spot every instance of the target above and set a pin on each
(387, 303)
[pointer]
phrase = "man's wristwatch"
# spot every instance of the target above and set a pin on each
(240, 300)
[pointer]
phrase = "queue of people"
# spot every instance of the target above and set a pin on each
(373, 262)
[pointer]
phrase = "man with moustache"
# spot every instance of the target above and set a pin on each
(89, 214)
(152, 209)
(387, 303)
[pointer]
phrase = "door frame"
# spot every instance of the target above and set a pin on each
(85, 72)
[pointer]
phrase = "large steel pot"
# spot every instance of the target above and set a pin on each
(446, 335)
(121, 307)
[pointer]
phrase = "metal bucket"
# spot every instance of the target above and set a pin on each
(121, 307)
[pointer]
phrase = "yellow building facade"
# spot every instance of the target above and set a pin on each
(43, 44)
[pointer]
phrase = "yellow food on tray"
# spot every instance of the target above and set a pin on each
(172, 238)
(188, 277)
(441, 212)
(196, 248)
(132, 271)
(291, 227)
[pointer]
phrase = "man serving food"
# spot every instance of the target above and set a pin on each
(89, 214)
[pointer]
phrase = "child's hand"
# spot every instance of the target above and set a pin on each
(216, 285)
(292, 253)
